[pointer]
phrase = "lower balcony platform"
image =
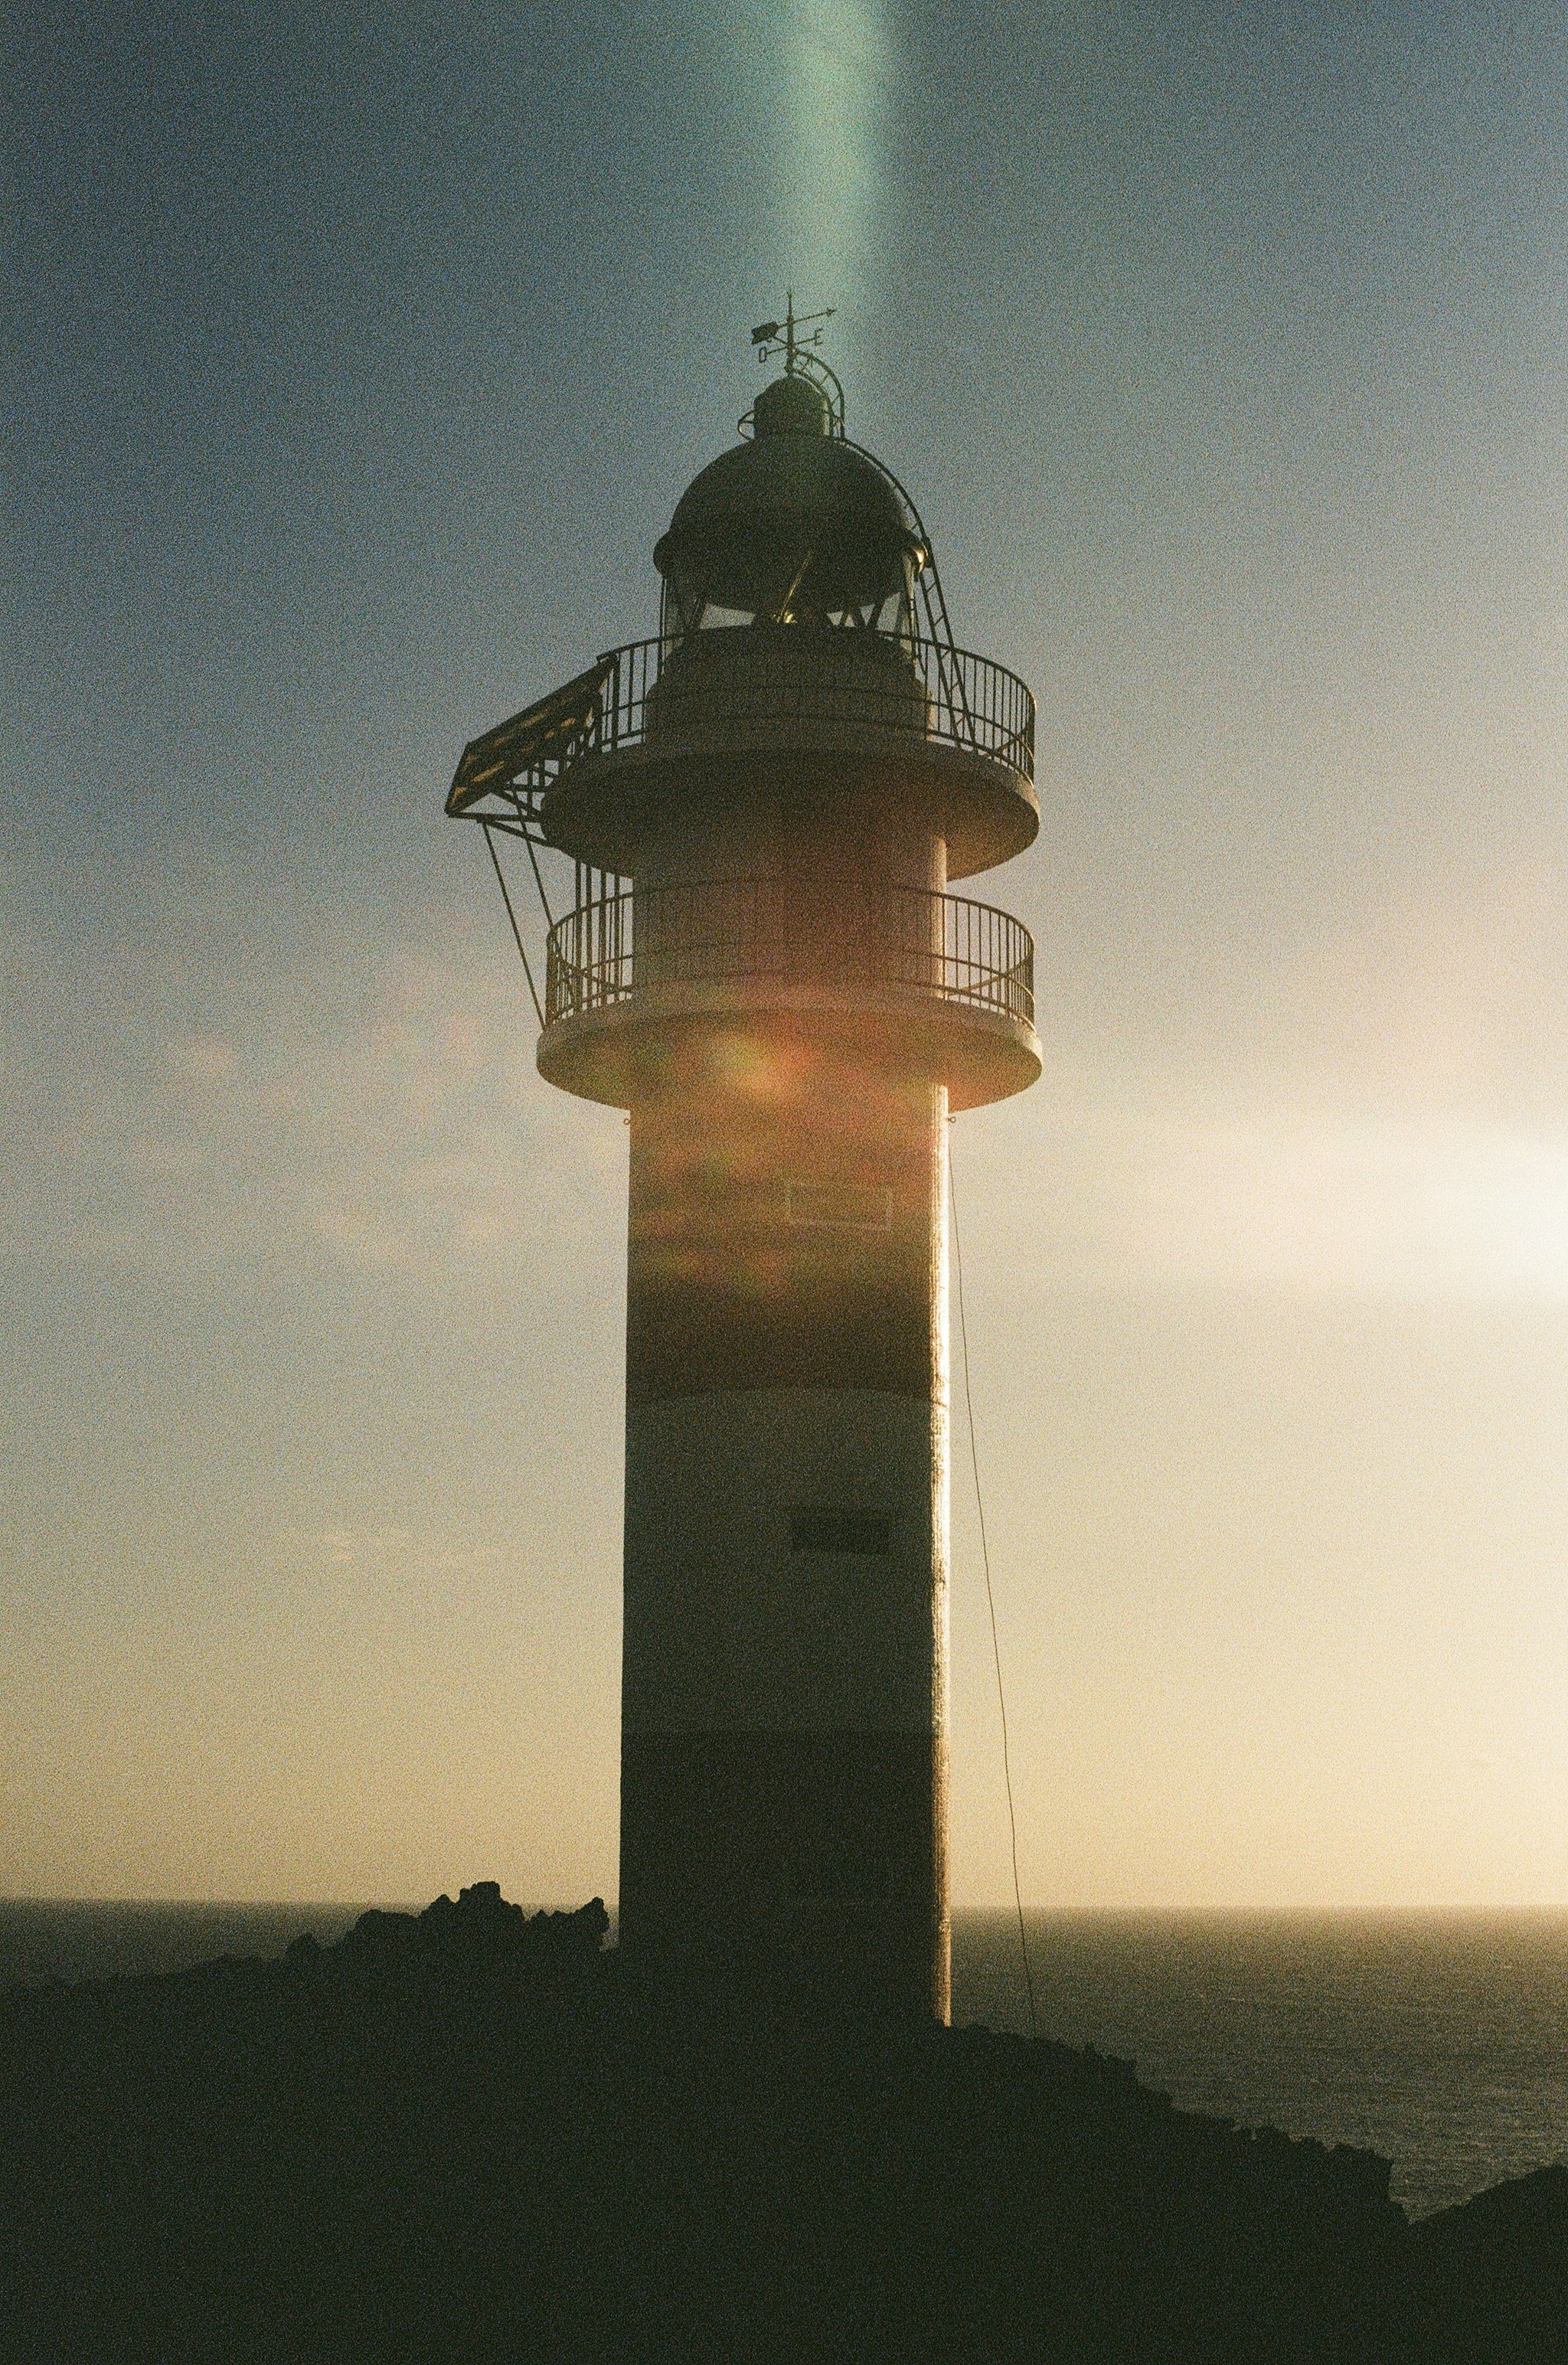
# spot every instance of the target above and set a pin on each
(641, 987)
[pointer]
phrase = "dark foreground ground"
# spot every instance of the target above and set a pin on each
(457, 2137)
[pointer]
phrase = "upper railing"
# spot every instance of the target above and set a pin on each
(849, 931)
(926, 692)
(747, 688)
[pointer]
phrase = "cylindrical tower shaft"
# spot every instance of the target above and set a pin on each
(784, 1749)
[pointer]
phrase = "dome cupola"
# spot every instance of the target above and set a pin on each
(794, 525)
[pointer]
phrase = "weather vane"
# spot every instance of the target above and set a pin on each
(783, 336)
(800, 358)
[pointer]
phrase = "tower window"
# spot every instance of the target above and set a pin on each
(839, 1531)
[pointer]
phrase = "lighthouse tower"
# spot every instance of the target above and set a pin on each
(765, 966)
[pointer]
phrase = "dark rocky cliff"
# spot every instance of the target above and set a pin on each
(456, 2136)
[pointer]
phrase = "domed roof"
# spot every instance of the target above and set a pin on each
(797, 521)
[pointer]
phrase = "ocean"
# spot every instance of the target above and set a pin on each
(1441, 2041)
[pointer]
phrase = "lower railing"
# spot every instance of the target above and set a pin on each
(851, 932)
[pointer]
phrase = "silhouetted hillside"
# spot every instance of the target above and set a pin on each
(452, 2137)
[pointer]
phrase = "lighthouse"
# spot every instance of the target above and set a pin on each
(764, 964)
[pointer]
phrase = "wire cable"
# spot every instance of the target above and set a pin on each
(539, 882)
(990, 1600)
(517, 931)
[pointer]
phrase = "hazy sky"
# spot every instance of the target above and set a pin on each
(356, 358)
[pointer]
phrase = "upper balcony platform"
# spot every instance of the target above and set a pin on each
(825, 714)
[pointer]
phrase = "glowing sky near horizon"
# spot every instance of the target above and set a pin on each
(358, 365)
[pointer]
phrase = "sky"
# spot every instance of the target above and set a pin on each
(354, 362)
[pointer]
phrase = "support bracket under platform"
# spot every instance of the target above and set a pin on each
(505, 775)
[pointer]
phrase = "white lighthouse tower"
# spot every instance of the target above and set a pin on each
(766, 805)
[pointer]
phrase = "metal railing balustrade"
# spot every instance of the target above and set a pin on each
(852, 932)
(927, 692)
